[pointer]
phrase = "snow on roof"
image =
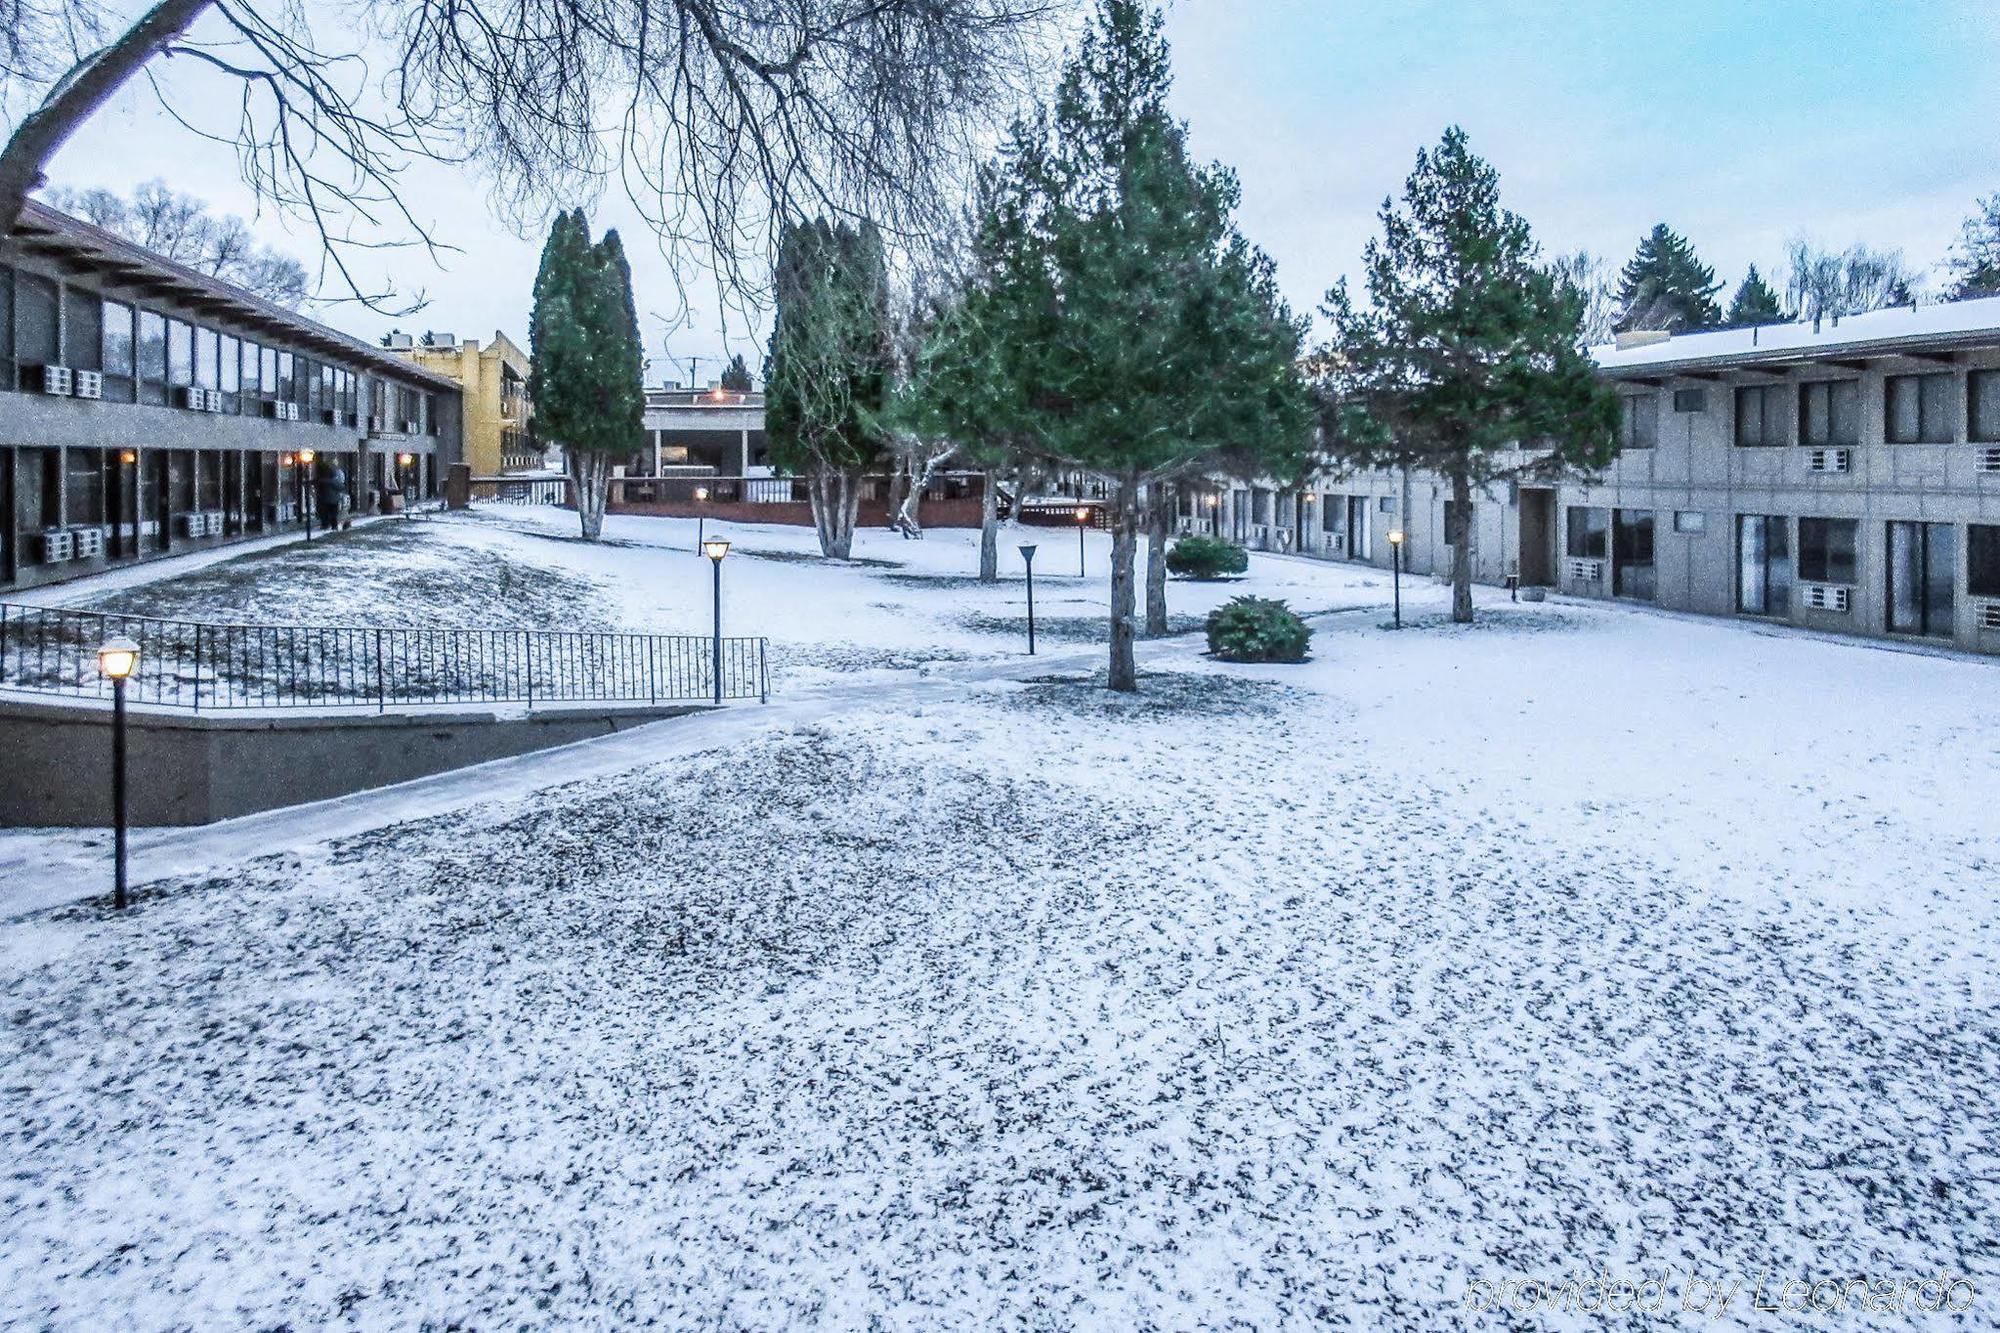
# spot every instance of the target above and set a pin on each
(1948, 324)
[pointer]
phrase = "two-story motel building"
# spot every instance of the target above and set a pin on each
(148, 409)
(1844, 478)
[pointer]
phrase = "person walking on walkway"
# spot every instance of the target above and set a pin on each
(332, 486)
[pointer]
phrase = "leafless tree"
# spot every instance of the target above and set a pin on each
(1828, 283)
(180, 227)
(719, 118)
(1593, 278)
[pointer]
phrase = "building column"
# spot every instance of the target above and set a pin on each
(743, 448)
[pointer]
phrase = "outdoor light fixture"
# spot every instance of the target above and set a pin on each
(1396, 559)
(715, 550)
(305, 458)
(701, 519)
(405, 485)
(129, 456)
(1028, 558)
(117, 659)
(1082, 518)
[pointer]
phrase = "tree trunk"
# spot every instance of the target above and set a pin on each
(835, 497)
(1159, 508)
(78, 95)
(1124, 674)
(898, 488)
(989, 528)
(590, 481)
(1461, 550)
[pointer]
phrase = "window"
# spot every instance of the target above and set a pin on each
(232, 372)
(1983, 388)
(1922, 578)
(1588, 533)
(269, 379)
(1632, 553)
(83, 329)
(152, 357)
(34, 320)
(253, 365)
(1639, 421)
(1763, 565)
(1826, 549)
(281, 378)
(1760, 422)
(1830, 413)
(1388, 504)
(180, 354)
(117, 353)
(1690, 400)
(1691, 522)
(208, 359)
(1917, 409)
(1982, 559)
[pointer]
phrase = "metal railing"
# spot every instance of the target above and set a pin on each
(198, 666)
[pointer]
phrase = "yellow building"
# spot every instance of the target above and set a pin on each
(495, 403)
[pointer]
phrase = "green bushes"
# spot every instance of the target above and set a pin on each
(1257, 629)
(1206, 558)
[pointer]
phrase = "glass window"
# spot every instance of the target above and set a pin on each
(1827, 549)
(1922, 578)
(1639, 424)
(1690, 400)
(1763, 565)
(83, 329)
(208, 358)
(1830, 413)
(1759, 416)
(1691, 521)
(1917, 409)
(118, 351)
(283, 377)
(1451, 522)
(1983, 388)
(231, 364)
(1588, 533)
(152, 357)
(268, 381)
(1982, 559)
(35, 320)
(180, 353)
(253, 364)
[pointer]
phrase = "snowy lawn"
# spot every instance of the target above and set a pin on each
(1579, 941)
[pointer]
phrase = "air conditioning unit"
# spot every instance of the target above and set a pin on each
(194, 400)
(1824, 597)
(89, 543)
(375, 425)
(88, 383)
(1829, 460)
(330, 416)
(1987, 459)
(1989, 614)
(212, 400)
(1585, 571)
(57, 546)
(409, 428)
(54, 379)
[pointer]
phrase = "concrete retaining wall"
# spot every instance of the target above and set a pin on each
(55, 759)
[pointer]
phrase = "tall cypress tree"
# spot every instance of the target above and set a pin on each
(586, 381)
(1666, 286)
(1467, 360)
(1127, 328)
(1754, 303)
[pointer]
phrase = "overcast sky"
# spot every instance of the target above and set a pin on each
(1738, 123)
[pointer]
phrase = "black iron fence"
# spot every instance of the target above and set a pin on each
(197, 666)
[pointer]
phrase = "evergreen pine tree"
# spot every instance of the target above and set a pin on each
(1666, 286)
(1126, 328)
(583, 334)
(736, 378)
(826, 382)
(1975, 259)
(1466, 362)
(1754, 303)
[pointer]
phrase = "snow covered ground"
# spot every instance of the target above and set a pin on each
(1581, 941)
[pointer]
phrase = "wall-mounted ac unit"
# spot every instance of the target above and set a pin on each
(193, 399)
(212, 400)
(1989, 614)
(1987, 459)
(1585, 571)
(1333, 542)
(1825, 597)
(88, 384)
(409, 428)
(57, 546)
(89, 542)
(1829, 460)
(205, 523)
(53, 379)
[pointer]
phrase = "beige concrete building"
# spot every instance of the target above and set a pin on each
(494, 400)
(1844, 477)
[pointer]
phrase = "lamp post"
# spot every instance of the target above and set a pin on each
(404, 482)
(1215, 513)
(701, 520)
(715, 550)
(305, 457)
(1082, 519)
(1028, 558)
(1305, 509)
(129, 458)
(1396, 559)
(117, 658)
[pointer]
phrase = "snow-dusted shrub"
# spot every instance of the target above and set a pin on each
(1257, 629)
(1206, 558)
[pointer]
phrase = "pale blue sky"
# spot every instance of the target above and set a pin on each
(1740, 124)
